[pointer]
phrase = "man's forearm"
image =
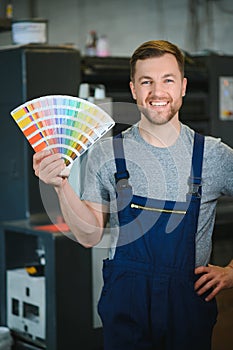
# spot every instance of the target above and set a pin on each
(84, 222)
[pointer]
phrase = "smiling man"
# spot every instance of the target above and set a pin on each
(158, 182)
(158, 86)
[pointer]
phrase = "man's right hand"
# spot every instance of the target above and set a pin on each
(48, 167)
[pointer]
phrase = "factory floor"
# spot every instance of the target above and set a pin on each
(223, 331)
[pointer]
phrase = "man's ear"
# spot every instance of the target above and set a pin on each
(184, 87)
(131, 85)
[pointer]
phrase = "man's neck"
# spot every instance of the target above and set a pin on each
(160, 135)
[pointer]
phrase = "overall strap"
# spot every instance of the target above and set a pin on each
(195, 179)
(121, 171)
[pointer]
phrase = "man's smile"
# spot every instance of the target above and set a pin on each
(158, 103)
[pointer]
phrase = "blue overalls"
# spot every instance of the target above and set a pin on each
(148, 300)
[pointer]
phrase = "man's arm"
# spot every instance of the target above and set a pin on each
(216, 277)
(85, 219)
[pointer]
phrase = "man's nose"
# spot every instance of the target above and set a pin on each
(156, 89)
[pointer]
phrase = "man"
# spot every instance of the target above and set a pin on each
(159, 183)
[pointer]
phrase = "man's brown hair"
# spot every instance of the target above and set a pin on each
(156, 48)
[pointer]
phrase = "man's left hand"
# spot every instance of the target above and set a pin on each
(215, 278)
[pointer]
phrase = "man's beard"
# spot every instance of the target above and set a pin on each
(158, 119)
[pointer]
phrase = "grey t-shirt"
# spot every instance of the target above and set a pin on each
(161, 173)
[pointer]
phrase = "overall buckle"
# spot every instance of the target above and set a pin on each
(195, 185)
(121, 179)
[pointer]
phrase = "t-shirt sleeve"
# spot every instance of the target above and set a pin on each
(96, 177)
(220, 166)
(227, 170)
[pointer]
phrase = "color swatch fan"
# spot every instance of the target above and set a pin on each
(64, 124)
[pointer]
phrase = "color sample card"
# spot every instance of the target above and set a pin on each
(64, 124)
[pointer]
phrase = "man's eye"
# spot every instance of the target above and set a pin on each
(146, 82)
(169, 81)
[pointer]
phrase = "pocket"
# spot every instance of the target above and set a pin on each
(205, 311)
(116, 295)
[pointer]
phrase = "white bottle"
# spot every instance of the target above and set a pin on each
(102, 46)
(90, 47)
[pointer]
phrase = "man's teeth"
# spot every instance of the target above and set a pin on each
(158, 103)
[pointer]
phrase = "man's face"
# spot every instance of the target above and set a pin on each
(158, 87)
